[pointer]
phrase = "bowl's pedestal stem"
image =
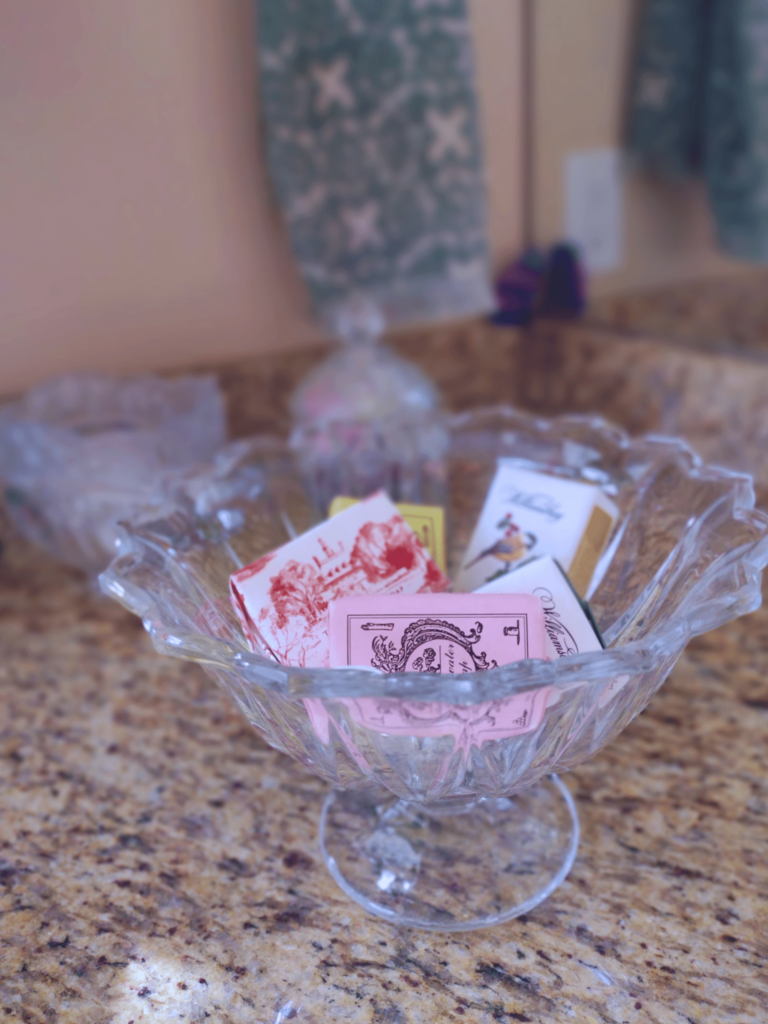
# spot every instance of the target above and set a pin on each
(450, 866)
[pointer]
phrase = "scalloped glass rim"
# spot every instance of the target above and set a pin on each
(727, 586)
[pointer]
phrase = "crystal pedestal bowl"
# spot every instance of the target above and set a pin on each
(446, 811)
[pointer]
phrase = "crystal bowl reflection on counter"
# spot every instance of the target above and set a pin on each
(444, 814)
(78, 453)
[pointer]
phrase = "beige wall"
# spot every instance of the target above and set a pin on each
(136, 230)
(496, 27)
(583, 49)
(131, 234)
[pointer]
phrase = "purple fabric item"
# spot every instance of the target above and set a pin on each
(517, 289)
(543, 284)
(563, 291)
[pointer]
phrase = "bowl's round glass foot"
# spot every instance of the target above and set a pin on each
(452, 865)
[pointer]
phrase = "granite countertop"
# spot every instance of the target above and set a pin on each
(727, 313)
(159, 862)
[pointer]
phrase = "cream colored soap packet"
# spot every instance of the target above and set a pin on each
(527, 514)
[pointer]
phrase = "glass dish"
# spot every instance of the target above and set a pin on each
(80, 452)
(446, 812)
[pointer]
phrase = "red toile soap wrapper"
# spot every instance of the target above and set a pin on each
(437, 633)
(282, 599)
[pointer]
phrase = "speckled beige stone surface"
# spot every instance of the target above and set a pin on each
(472, 362)
(159, 862)
(716, 401)
(689, 359)
(645, 383)
(726, 312)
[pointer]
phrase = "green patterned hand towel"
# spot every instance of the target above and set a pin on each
(666, 103)
(699, 105)
(372, 141)
(737, 127)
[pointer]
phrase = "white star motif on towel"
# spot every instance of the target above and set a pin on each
(361, 225)
(329, 79)
(653, 90)
(448, 131)
(467, 270)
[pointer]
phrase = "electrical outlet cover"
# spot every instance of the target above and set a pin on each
(594, 201)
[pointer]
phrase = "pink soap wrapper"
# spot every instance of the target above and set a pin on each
(282, 599)
(438, 633)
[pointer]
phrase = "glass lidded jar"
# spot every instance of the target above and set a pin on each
(367, 419)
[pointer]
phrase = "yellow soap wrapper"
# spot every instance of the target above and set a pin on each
(427, 522)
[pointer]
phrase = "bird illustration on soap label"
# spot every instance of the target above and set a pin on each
(510, 548)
